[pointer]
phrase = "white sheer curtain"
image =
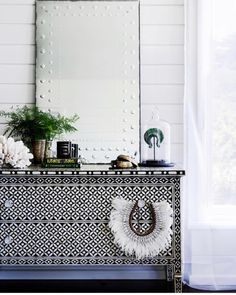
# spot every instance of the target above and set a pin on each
(209, 203)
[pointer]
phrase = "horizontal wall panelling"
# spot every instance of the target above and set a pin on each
(160, 2)
(17, 74)
(17, 14)
(177, 153)
(162, 74)
(17, 54)
(17, 2)
(17, 34)
(156, 54)
(162, 15)
(162, 94)
(177, 133)
(143, 2)
(17, 93)
(162, 35)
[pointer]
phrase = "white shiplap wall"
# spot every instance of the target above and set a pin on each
(162, 58)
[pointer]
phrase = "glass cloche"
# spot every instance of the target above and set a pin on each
(155, 142)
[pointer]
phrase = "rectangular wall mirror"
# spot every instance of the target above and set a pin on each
(88, 63)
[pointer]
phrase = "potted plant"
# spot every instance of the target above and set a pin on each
(55, 125)
(36, 127)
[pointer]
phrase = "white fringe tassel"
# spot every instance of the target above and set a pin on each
(141, 246)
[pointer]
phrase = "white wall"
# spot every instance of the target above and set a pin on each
(162, 58)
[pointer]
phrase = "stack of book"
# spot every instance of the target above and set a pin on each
(62, 163)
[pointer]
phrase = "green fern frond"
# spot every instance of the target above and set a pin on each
(31, 123)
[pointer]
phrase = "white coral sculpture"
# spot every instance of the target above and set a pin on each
(14, 153)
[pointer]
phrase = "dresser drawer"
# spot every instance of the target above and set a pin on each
(74, 202)
(62, 241)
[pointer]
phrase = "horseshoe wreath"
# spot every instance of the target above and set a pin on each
(142, 244)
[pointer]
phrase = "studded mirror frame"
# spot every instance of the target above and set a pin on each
(88, 63)
(61, 217)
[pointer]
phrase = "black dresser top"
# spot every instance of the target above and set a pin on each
(96, 169)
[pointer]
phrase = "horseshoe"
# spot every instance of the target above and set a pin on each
(152, 227)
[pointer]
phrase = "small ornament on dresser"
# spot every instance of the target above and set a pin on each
(74, 150)
(124, 162)
(63, 149)
(156, 142)
(13, 153)
(67, 150)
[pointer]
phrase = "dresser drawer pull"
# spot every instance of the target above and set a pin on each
(8, 203)
(8, 240)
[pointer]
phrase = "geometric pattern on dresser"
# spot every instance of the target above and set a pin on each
(80, 180)
(74, 202)
(87, 207)
(83, 240)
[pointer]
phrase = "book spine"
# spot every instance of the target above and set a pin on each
(47, 165)
(61, 161)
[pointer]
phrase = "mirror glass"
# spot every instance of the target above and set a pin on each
(88, 63)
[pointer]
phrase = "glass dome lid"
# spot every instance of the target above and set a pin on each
(155, 142)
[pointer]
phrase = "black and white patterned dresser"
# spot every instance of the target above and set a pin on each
(60, 216)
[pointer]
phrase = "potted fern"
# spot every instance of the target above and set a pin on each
(36, 127)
